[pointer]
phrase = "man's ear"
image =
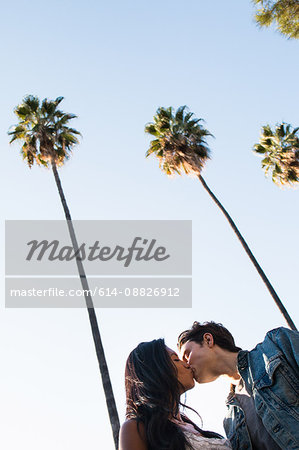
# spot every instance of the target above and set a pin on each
(208, 339)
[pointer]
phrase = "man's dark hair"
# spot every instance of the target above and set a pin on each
(221, 335)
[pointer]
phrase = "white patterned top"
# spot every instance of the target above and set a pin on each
(198, 442)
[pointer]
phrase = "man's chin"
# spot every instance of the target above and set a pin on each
(196, 379)
(203, 380)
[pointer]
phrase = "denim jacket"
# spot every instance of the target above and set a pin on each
(271, 375)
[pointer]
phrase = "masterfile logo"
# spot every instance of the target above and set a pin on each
(137, 250)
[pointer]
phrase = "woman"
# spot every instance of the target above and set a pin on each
(155, 380)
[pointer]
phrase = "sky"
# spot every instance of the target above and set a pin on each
(116, 63)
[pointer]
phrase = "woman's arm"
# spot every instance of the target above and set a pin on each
(131, 437)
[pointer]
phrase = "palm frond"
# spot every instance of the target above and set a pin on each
(179, 143)
(151, 129)
(283, 13)
(280, 150)
(179, 115)
(43, 129)
(58, 100)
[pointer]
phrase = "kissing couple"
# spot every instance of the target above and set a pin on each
(262, 406)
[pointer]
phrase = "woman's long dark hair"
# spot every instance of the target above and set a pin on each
(153, 396)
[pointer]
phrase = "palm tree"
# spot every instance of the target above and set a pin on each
(48, 140)
(180, 146)
(280, 151)
(285, 13)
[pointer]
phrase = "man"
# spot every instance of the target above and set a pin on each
(263, 405)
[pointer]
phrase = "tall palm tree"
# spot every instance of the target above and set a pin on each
(284, 13)
(180, 146)
(48, 140)
(280, 151)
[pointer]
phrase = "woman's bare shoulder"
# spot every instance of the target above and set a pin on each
(132, 436)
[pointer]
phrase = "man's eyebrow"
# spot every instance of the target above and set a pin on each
(173, 354)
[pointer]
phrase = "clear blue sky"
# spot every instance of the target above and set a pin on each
(115, 63)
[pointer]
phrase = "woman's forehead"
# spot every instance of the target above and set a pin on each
(170, 351)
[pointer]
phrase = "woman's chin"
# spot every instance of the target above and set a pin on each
(189, 386)
(192, 384)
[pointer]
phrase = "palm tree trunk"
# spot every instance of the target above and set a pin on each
(251, 256)
(111, 405)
